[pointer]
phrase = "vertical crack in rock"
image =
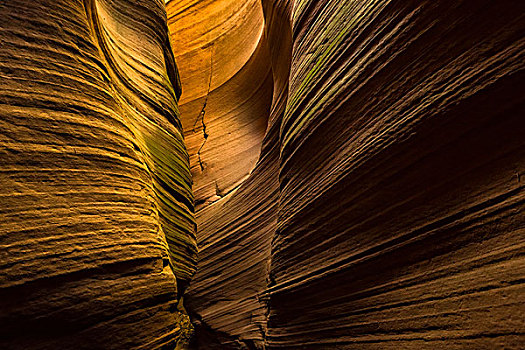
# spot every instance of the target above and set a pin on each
(236, 103)
(203, 112)
(238, 227)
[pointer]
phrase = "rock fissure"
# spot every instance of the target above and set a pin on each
(202, 114)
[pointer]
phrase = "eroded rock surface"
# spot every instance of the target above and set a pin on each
(227, 89)
(358, 174)
(401, 204)
(386, 208)
(227, 295)
(96, 217)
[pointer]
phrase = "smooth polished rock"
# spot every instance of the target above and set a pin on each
(220, 47)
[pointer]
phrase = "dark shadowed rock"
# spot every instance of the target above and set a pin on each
(386, 208)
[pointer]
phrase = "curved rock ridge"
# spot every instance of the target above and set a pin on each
(357, 164)
(96, 188)
(227, 89)
(386, 208)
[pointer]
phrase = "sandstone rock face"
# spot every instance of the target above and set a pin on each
(401, 204)
(227, 89)
(357, 173)
(227, 295)
(96, 218)
(386, 208)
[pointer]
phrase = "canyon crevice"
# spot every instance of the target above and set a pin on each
(262, 174)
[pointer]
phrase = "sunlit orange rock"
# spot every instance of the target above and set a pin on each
(227, 89)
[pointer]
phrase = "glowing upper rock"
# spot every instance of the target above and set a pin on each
(220, 47)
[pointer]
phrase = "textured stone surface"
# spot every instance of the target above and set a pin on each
(406, 228)
(95, 183)
(227, 89)
(235, 233)
(386, 209)
(358, 174)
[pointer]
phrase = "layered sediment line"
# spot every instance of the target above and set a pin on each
(227, 296)
(400, 209)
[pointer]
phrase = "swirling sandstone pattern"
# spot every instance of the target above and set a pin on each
(357, 170)
(227, 89)
(386, 208)
(96, 189)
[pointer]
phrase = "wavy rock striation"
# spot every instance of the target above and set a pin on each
(386, 208)
(357, 169)
(96, 220)
(401, 204)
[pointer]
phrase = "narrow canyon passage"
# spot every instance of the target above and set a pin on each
(385, 194)
(244, 105)
(262, 174)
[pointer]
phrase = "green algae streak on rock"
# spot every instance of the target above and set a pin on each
(96, 220)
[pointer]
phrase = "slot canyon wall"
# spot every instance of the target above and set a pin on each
(96, 219)
(348, 171)
(386, 206)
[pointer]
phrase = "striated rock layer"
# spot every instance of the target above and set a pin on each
(235, 233)
(96, 218)
(401, 204)
(386, 208)
(357, 171)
